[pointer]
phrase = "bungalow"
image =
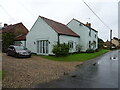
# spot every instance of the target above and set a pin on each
(46, 32)
(88, 36)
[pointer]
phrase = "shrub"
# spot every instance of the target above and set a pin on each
(60, 49)
(78, 48)
(90, 50)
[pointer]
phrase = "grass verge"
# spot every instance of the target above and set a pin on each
(1, 75)
(78, 57)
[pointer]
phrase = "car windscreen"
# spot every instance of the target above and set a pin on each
(20, 48)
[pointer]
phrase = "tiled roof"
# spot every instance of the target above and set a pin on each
(116, 38)
(19, 27)
(59, 27)
(9, 28)
(83, 24)
(21, 37)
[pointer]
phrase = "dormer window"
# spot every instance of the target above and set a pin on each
(80, 24)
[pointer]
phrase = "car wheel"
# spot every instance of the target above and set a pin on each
(29, 56)
(16, 55)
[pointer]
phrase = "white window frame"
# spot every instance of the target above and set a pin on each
(70, 44)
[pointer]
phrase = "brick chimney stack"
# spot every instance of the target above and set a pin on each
(5, 25)
(88, 24)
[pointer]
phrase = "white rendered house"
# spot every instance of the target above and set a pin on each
(88, 35)
(45, 33)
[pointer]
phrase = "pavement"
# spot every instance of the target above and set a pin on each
(101, 72)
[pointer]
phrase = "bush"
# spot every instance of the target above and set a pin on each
(90, 50)
(61, 49)
(78, 48)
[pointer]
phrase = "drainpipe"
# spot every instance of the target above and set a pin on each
(58, 39)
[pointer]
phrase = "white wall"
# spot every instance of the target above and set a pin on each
(83, 31)
(66, 39)
(92, 38)
(40, 31)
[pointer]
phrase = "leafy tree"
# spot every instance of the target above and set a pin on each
(7, 39)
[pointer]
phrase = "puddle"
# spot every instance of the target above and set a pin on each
(114, 58)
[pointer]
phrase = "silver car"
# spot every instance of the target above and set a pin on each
(18, 51)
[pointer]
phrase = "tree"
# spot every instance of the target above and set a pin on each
(7, 40)
(100, 43)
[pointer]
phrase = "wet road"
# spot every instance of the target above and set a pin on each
(101, 72)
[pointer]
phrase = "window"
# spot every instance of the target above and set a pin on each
(70, 44)
(90, 32)
(95, 35)
(89, 44)
(94, 44)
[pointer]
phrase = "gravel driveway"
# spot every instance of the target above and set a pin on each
(27, 72)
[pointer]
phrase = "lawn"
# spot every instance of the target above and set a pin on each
(1, 73)
(78, 57)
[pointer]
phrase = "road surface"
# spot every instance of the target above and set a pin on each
(101, 72)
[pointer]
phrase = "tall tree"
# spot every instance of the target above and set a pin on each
(7, 39)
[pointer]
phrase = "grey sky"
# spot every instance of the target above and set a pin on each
(27, 11)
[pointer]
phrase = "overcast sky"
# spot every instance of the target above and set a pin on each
(27, 11)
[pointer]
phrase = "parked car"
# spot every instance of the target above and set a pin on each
(18, 51)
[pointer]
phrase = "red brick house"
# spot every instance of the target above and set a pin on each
(108, 43)
(19, 30)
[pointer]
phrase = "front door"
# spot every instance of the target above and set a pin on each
(42, 47)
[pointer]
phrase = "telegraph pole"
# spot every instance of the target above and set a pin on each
(110, 39)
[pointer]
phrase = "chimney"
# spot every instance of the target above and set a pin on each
(88, 24)
(5, 25)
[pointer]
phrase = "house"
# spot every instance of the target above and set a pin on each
(20, 40)
(46, 32)
(116, 42)
(107, 44)
(19, 30)
(88, 36)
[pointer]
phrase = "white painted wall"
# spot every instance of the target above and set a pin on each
(83, 31)
(40, 31)
(65, 39)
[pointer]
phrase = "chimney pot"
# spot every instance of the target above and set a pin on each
(5, 25)
(88, 24)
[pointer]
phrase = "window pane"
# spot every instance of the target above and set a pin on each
(40, 46)
(46, 46)
(43, 47)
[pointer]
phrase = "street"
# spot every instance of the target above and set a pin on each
(103, 73)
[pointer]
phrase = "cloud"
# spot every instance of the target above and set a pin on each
(27, 11)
